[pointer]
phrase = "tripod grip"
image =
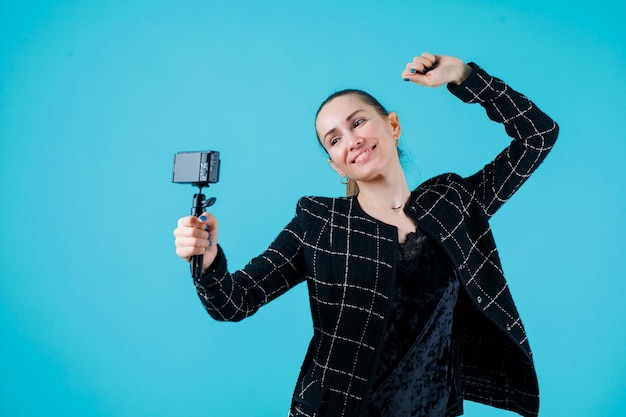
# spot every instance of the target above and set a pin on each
(196, 210)
(196, 265)
(200, 203)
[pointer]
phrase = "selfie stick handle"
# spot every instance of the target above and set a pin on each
(199, 206)
(196, 210)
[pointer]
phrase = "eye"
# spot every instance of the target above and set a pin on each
(358, 122)
(333, 141)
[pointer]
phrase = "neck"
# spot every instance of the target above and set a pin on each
(389, 192)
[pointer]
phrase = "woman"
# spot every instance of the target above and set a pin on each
(410, 308)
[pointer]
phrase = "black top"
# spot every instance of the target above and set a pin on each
(416, 373)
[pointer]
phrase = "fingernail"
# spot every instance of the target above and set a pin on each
(425, 70)
(203, 218)
(412, 71)
(406, 79)
(210, 243)
(206, 228)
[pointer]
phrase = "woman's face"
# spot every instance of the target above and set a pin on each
(361, 142)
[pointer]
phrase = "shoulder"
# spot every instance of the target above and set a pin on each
(443, 181)
(321, 206)
(450, 186)
(313, 214)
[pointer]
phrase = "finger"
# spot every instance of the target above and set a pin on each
(415, 69)
(187, 252)
(433, 59)
(191, 232)
(423, 63)
(203, 222)
(190, 221)
(430, 57)
(412, 74)
(191, 237)
(185, 221)
(193, 243)
(208, 220)
(188, 247)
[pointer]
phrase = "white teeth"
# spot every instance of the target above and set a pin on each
(362, 155)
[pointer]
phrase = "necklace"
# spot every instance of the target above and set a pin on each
(380, 207)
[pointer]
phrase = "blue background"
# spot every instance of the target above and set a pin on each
(98, 317)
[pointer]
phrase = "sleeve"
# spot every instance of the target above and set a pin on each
(533, 133)
(235, 296)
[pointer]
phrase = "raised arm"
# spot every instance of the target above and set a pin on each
(533, 132)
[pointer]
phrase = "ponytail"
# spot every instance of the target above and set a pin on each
(352, 188)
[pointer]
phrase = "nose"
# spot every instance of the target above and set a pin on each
(354, 141)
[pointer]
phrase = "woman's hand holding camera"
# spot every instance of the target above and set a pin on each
(197, 236)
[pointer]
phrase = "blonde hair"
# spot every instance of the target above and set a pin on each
(352, 188)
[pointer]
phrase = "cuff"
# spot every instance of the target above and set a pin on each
(479, 87)
(473, 83)
(214, 272)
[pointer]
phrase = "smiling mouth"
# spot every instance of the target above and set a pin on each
(363, 155)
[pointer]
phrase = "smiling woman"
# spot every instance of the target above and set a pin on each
(411, 311)
(364, 113)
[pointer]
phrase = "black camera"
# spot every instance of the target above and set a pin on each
(197, 168)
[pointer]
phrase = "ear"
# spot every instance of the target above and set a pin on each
(394, 121)
(337, 170)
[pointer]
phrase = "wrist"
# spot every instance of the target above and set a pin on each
(464, 72)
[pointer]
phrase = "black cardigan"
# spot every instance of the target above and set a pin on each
(348, 260)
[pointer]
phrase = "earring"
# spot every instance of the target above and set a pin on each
(341, 177)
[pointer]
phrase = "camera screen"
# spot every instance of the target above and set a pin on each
(196, 167)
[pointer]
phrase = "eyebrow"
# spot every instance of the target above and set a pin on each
(347, 118)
